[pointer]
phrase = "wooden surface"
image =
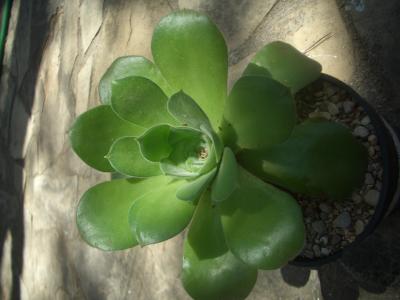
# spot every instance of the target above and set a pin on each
(56, 53)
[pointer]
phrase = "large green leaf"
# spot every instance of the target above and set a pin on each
(131, 66)
(126, 158)
(102, 214)
(210, 270)
(187, 111)
(195, 188)
(263, 225)
(260, 111)
(159, 215)
(154, 143)
(93, 133)
(226, 181)
(321, 158)
(285, 64)
(140, 101)
(192, 55)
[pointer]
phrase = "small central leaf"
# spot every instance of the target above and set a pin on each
(226, 180)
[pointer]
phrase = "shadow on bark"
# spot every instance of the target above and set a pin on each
(31, 31)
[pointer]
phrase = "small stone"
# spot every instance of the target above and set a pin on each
(320, 114)
(359, 227)
(335, 98)
(324, 240)
(319, 226)
(365, 121)
(369, 179)
(361, 131)
(348, 106)
(332, 109)
(316, 250)
(356, 198)
(335, 239)
(325, 251)
(343, 220)
(324, 216)
(372, 139)
(371, 151)
(372, 197)
(325, 207)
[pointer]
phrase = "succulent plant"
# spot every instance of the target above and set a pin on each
(192, 156)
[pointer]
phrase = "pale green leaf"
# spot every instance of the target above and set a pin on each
(126, 158)
(192, 55)
(195, 188)
(131, 66)
(226, 181)
(320, 158)
(93, 133)
(102, 214)
(159, 215)
(263, 225)
(260, 112)
(285, 64)
(140, 101)
(210, 270)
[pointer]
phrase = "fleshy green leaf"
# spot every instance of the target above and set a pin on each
(210, 270)
(93, 133)
(187, 111)
(154, 143)
(263, 226)
(102, 214)
(126, 158)
(195, 188)
(159, 215)
(192, 55)
(140, 101)
(320, 158)
(226, 181)
(254, 70)
(285, 64)
(131, 66)
(260, 111)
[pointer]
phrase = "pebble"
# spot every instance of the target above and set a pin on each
(369, 179)
(325, 207)
(361, 131)
(371, 151)
(332, 109)
(365, 121)
(378, 185)
(325, 251)
(359, 227)
(372, 139)
(372, 197)
(357, 198)
(319, 226)
(324, 240)
(348, 106)
(320, 114)
(343, 220)
(316, 250)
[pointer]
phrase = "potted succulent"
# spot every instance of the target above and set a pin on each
(226, 167)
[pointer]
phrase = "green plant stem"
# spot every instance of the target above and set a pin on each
(4, 28)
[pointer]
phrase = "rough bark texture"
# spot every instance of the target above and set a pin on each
(55, 55)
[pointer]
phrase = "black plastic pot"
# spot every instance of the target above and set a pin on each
(388, 140)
